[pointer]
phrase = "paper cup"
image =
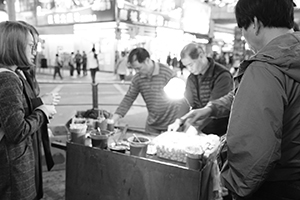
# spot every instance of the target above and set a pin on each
(138, 148)
(78, 133)
(100, 141)
(110, 125)
(194, 157)
(194, 162)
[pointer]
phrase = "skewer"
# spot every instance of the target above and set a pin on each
(73, 120)
(137, 138)
(99, 112)
(99, 130)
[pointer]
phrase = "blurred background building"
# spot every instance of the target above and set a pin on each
(161, 26)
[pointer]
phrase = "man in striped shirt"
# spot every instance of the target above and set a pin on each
(150, 80)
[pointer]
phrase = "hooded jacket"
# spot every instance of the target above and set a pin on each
(263, 136)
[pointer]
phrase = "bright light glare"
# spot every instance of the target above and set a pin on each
(121, 4)
(3, 16)
(175, 88)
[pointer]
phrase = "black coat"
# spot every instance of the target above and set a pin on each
(20, 122)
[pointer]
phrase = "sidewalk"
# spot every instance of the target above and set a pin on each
(46, 75)
(54, 184)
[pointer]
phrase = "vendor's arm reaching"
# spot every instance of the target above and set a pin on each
(127, 101)
(215, 109)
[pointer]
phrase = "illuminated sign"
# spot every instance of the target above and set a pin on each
(162, 6)
(51, 12)
(147, 18)
(196, 17)
(166, 13)
(67, 18)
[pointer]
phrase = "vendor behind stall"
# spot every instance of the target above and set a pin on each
(150, 80)
(208, 80)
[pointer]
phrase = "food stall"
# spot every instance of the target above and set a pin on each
(94, 172)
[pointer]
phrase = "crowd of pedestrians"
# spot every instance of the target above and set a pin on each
(77, 64)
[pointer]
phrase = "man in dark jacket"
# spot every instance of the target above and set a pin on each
(208, 81)
(263, 134)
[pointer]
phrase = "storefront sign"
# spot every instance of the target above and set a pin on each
(51, 12)
(196, 17)
(163, 6)
(147, 18)
(67, 18)
(161, 13)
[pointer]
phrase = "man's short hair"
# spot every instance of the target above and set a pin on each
(139, 54)
(193, 50)
(272, 13)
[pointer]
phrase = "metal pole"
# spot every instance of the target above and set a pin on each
(95, 94)
(11, 10)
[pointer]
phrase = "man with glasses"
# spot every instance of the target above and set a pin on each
(150, 80)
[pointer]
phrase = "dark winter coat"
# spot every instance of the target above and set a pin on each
(263, 137)
(19, 122)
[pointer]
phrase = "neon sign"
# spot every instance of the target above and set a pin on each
(66, 18)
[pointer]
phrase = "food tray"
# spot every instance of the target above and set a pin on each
(173, 145)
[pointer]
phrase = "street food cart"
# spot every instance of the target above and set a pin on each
(94, 173)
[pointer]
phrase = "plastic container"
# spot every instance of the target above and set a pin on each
(118, 148)
(78, 133)
(138, 148)
(194, 161)
(100, 141)
(102, 124)
(110, 125)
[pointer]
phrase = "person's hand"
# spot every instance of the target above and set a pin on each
(50, 109)
(199, 124)
(175, 126)
(197, 116)
(115, 118)
(50, 98)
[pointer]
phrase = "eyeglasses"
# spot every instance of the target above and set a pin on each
(33, 48)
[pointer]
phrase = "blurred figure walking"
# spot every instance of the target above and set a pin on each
(57, 66)
(93, 64)
(169, 59)
(121, 67)
(78, 59)
(71, 64)
(84, 63)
